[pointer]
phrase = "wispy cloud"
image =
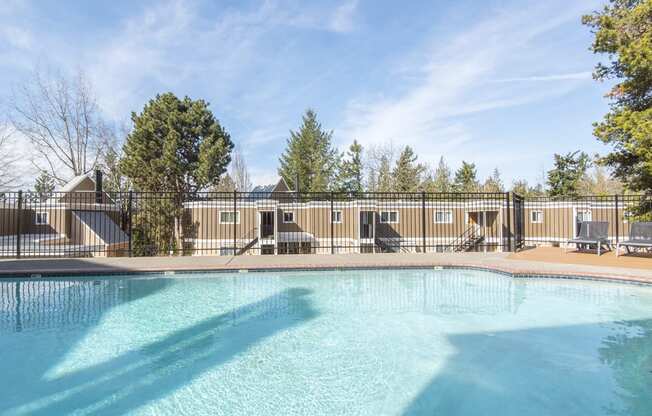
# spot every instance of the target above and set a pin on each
(454, 80)
(585, 75)
(343, 19)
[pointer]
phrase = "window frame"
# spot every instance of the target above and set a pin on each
(237, 217)
(292, 220)
(540, 214)
(449, 219)
(389, 217)
(41, 215)
(333, 212)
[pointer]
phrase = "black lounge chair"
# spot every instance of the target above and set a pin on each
(592, 233)
(640, 236)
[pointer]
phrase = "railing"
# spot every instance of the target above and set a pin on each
(79, 224)
(554, 221)
(469, 238)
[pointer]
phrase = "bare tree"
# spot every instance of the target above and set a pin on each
(61, 119)
(9, 177)
(378, 162)
(239, 172)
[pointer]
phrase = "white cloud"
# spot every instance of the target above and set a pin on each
(452, 78)
(585, 75)
(175, 42)
(343, 18)
(16, 36)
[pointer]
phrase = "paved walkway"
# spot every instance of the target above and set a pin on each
(492, 261)
(609, 259)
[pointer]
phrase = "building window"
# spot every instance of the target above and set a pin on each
(536, 217)
(336, 217)
(389, 217)
(229, 217)
(288, 217)
(443, 217)
(41, 218)
(584, 215)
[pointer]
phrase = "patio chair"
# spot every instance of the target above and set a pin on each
(592, 233)
(640, 236)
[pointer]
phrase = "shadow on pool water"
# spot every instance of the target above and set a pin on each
(509, 373)
(137, 377)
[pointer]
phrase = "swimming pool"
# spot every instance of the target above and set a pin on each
(370, 342)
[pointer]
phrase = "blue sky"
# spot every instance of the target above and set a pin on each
(500, 83)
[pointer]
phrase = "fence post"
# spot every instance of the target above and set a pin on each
(332, 227)
(423, 221)
(617, 221)
(235, 222)
(19, 222)
(509, 222)
(129, 218)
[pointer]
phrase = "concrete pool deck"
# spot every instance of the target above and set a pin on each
(502, 262)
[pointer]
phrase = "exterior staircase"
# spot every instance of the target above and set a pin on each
(468, 240)
(251, 243)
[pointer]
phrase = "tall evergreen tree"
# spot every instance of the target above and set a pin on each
(178, 146)
(493, 183)
(44, 186)
(623, 32)
(466, 178)
(349, 178)
(309, 156)
(565, 176)
(407, 173)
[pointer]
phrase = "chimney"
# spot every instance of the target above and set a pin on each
(98, 186)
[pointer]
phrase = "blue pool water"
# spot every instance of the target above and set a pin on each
(410, 342)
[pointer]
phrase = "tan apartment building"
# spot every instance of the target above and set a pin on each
(83, 220)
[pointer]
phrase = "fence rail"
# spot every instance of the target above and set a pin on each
(96, 223)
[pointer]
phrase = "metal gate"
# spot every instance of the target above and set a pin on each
(519, 221)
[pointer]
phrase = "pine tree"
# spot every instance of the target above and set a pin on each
(349, 178)
(309, 156)
(466, 178)
(623, 33)
(565, 177)
(493, 183)
(407, 173)
(44, 186)
(176, 146)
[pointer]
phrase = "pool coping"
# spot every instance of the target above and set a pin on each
(491, 262)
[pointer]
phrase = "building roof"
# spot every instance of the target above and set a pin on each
(75, 182)
(264, 191)
(263, 188)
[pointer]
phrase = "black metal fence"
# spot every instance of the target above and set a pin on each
(90, 223)
(554, 221)
(77, 224)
